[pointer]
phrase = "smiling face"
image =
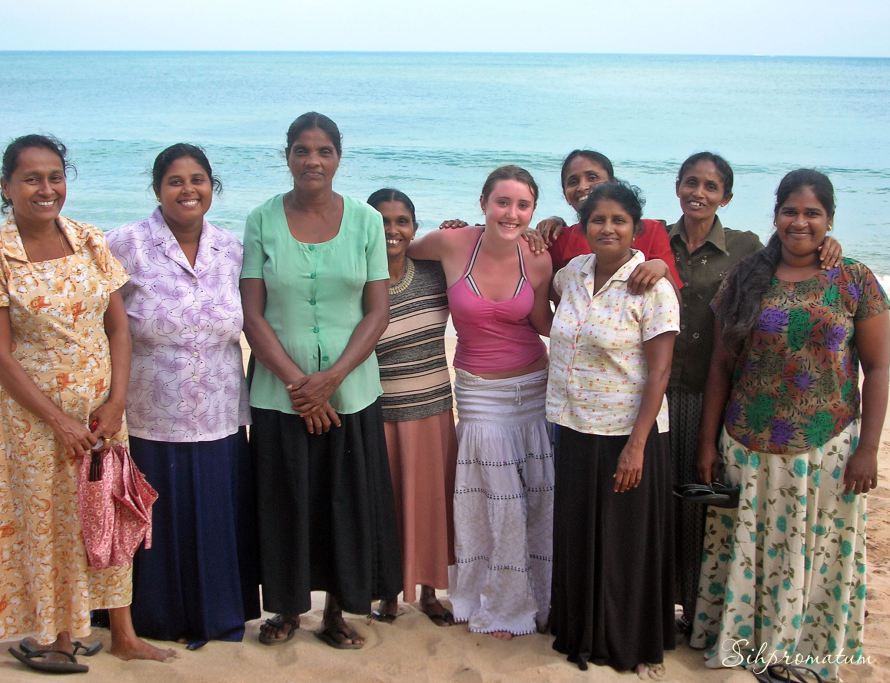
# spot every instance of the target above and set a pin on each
(313, 160)
(508, 209)
(801, 223)
(37, 186)
(399, 227)
(702, 191)
(610, 230)
(185, 193)
(581, 176)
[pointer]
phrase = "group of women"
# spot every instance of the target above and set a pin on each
(548, 508)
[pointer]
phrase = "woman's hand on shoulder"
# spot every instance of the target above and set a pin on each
(550, 228)
(108, 419)
(74, 438)
(861, 472)
(629, 472)
(453, 224)
(536, 243)
(830, 253)
(645, 275)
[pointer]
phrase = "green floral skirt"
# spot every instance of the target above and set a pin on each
(783, 577)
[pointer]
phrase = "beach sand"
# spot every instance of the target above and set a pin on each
(413, 649)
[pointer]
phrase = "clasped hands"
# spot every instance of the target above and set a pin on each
(310, 398)
(76, 439)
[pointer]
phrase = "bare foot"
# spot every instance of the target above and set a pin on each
(139, 649)
(502, 635)
(650, 671)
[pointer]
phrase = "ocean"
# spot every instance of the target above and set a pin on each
(434, 125)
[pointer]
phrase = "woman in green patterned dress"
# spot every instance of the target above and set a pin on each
(783, 577)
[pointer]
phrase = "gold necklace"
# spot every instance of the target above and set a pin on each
(62, 240)
(406, 279)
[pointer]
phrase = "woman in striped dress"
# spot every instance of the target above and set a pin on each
(417, 412)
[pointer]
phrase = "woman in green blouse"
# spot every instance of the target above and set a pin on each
(784, 574)
(314, 293)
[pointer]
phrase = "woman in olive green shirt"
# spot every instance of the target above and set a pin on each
(705, 253)
(315, 299)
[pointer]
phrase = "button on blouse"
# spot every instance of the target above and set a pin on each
(314, 297)
(597, 363)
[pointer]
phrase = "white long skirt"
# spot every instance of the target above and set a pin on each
(503, 504)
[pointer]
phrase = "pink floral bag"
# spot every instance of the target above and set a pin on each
(115, 507)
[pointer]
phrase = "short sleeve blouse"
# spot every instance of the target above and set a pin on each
(597, 363)
(796, 384)
(314, 297)
(187, 378)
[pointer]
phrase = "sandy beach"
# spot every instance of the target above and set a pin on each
(413, 649)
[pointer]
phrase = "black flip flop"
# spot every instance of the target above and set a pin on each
(328, 636)
(80, 648)
(39, 661)
(444, 618)
(716, 494)
(787, 673)
(278, 622)
(382, 617)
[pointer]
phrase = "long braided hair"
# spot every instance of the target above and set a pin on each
(739, 306)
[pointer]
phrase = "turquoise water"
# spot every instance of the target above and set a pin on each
(434, 125)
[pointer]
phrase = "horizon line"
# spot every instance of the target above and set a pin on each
(442, 52)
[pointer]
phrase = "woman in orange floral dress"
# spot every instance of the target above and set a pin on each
(64, 364)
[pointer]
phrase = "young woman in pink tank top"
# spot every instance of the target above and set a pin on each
(503, 499)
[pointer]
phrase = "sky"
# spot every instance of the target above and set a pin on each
(749, 27)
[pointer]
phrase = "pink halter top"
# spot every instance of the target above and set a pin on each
(493, 336)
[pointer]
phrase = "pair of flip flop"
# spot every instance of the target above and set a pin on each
(444, 618)
(716, 493)
(787, 673)
(328, 635)
(34, 656)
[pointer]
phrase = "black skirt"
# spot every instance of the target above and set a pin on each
(689, 518)
(326, 512)
(612, 596)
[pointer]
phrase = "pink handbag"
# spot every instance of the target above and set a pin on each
(115, 507)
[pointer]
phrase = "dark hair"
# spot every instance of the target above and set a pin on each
(721, 164)
(178, 151)
(628, 196)
(590, 155)
(388, 194)
(738, 309)
(310, 120)
(19, 145)
(806, 177)
(509, 172)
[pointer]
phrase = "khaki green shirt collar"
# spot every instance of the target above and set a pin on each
(716, 236)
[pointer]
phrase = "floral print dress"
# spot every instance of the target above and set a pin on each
(56, 310)
(783, 576)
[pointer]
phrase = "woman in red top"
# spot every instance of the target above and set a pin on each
(582, 170)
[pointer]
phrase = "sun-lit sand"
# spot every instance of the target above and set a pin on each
(413, 649)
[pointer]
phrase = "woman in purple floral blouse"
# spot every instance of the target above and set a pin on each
(187, 408)
(784, 574)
